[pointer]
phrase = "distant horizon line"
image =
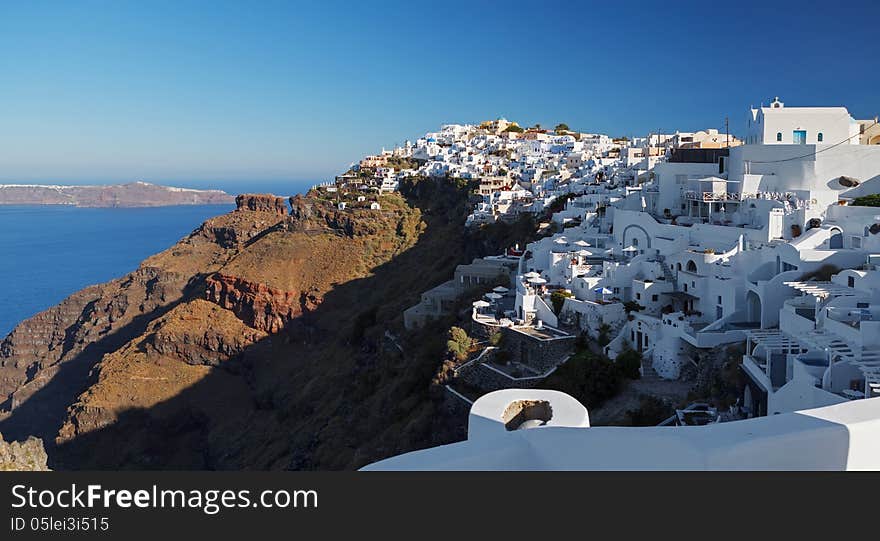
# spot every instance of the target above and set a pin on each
(163, 182)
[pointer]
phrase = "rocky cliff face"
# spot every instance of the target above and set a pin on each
(67, 339)
(258, 305)
(47, 360)
(261, 203)
(28, 455)
(259, 341)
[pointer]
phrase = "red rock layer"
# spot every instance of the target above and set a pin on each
(258, 305)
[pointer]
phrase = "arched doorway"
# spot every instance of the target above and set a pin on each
(753, 307)
(646, 244)
(836, 240)
(691, 266)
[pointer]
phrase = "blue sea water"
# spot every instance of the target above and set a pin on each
(49, 252)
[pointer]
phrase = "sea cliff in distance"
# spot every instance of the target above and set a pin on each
(132, 194)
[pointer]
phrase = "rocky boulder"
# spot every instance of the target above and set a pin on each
(28, 455)
(261, 203)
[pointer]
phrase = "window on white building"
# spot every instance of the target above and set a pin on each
(779, 136)
(820, 137)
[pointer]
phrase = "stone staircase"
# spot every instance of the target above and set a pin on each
(648, 372)
(667, 273)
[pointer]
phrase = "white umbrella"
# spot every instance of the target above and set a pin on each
(500, 289)
(481, 304)
(537, 281)
(493, 296)
(561, 240)
(630, 248)
(532, 274)
(583, 252)
(583, 243)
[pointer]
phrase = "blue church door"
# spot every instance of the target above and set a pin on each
(800, 137)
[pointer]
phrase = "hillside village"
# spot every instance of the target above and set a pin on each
(745, 266)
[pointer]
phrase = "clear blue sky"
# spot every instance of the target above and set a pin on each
(165, 91)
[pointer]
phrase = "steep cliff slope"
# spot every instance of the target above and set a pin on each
(46, 361)
(262, 340)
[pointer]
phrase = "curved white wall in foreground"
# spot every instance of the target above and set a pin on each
(839, 437)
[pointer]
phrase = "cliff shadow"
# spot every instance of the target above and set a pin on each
(43, 413)
(340, 386)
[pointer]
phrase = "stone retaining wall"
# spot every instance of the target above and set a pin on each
(540, 355)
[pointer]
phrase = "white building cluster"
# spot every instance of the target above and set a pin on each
(676, 250)
(677, 244)
(682, 250)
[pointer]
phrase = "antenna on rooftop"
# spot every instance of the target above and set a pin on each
(727, 130)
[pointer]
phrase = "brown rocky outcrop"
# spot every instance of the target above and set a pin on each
(200, 333)
(261, 203)
(262, 307)
(28, 455)
(303, 208)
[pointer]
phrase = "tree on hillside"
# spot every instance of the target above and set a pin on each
(557, 298)
(562, 126)
(628, 363)
(459, 343)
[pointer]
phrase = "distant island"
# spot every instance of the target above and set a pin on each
(132, 194)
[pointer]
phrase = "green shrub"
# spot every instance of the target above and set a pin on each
(590, 378)
(459, 343)
(872, 200)
(629, 362)
(557, 298)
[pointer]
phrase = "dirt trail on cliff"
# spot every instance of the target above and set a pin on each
(256, 342)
